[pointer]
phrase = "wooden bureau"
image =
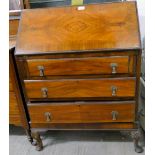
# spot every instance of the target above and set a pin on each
(79, 68)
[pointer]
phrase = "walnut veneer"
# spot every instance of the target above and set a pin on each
(79, 67)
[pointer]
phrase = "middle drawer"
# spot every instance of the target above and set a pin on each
(80, 88)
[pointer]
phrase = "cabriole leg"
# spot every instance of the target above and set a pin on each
(39, 144)
(136, 137)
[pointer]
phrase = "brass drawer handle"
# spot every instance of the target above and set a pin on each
(44, 92)
(114, 90)
(114, 115)
(41, 70)
(113, 67)
(48, 116)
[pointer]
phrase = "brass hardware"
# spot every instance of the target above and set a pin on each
(113, 66)
(41, 70)
(114, 115)
(114, 89)
(24, 57)
(44, 92)
(48, 116)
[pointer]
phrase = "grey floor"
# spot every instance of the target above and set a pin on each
(72, 143)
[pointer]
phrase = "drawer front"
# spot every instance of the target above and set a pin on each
(77, 88)
(79, 66)
(82, 113)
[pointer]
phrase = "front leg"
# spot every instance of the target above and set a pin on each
(39, 144)
(136, 137)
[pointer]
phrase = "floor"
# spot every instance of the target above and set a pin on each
(72, 143)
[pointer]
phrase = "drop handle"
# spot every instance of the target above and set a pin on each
(114, 90)
(114, 68)
(41, 70)
(44, 92)
(114, 115)
(48, 116)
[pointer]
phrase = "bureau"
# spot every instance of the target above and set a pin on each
(79, 68)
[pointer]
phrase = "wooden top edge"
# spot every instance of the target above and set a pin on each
(15, 12)
(20, 52)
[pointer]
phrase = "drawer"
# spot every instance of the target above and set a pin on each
(81, 88)
(80, 66)
(90, 112)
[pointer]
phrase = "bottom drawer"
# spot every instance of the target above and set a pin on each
(91, 112)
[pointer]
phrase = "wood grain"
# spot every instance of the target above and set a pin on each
(17, 111)
(10, 85)
(78, 66)
(74, 88)
(65, 29)
(84, 126)
(82, 113)
(13, 108)
(14, 114)
(15, 120)
(13, 26)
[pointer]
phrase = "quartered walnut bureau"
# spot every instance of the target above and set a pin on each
(79, 68)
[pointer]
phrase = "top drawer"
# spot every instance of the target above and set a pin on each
(80, 66)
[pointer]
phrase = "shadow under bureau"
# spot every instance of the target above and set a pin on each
(79, 68)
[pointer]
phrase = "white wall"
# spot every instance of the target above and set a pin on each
(141, 12)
